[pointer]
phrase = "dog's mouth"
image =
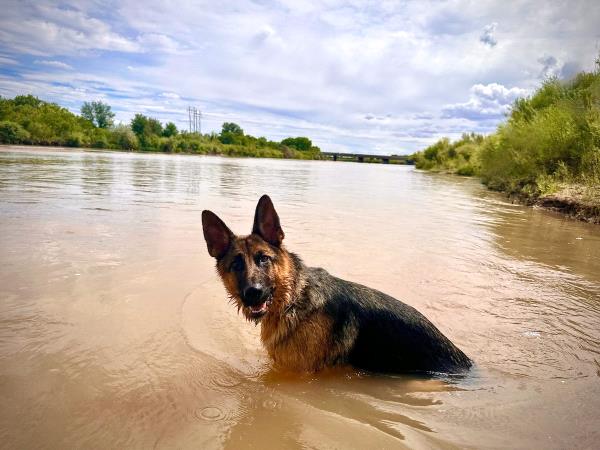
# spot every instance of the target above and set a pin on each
(257, 311)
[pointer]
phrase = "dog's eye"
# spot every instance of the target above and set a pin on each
(262, 258)
(238, 264)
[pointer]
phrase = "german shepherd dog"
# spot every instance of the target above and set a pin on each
(310, 319)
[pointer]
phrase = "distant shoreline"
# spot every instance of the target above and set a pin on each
(158, 152)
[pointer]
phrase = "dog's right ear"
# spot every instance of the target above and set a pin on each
(218, 237)
(266, 222)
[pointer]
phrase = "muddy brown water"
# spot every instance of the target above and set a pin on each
(115, 331)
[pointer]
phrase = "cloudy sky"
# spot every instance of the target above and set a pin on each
(368, 76)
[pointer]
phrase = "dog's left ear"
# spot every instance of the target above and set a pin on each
(266, 222)
(218, 237)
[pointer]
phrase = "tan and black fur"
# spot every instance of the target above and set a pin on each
(310, 319)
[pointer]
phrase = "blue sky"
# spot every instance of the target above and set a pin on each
(368, 76)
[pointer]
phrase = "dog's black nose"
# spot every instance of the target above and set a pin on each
(253, 295)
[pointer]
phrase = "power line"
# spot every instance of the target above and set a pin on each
(194, 120)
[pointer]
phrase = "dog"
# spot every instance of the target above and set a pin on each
(311, 320)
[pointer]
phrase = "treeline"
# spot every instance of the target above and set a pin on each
(549, 143)
(26, 119)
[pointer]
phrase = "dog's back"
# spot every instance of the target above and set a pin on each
(367, 329)
(387, 335)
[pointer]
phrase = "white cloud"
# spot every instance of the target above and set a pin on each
(8, 61)
(40, 29)
(485, 101)
(171, 95)
(157, 42)
(51, 63)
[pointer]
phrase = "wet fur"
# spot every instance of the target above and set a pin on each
(316, 320)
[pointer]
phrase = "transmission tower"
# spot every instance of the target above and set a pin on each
(195, 120)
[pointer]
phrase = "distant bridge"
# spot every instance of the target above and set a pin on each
(359, 157)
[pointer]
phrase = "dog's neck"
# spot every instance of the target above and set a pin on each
(283, 319)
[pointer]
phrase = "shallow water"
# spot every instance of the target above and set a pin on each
(115, 331)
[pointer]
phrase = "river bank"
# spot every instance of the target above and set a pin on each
(574, 201)
(577, 202)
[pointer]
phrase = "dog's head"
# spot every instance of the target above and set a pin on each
(254, 268)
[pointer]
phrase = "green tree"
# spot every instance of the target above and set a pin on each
(233, 128)
(170, 130)
(154, 127)
(27, 100)
(139, 124)
(232, 133)
(99, 113)
(299, 143)
(147, 130)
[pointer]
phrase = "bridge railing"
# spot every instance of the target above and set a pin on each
(360, 157)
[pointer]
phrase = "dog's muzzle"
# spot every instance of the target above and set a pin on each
(257, 300)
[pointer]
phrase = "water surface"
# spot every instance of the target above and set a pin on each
(115, 331)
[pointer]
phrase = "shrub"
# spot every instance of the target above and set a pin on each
(77, 139)
(100, 139)
(122, 137)
(167, 145)
(13, 133)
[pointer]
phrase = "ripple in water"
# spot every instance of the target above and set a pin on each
(210, 413)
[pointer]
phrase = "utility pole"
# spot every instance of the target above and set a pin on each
(194, 120)
(198, 115)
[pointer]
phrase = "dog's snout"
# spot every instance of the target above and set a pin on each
(253, 294)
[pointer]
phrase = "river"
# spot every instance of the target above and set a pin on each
(115, 331)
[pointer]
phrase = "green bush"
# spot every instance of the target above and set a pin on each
(167, 145)
(466, 170)
(122, 137)
(13, 133)
(100, 138)
(459, 157)
(77, 139)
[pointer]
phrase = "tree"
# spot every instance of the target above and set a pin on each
(154, 127)
(170, 130)
(299, 143)
(147, 129)
(99, 113)
(27, 100)
(233, 128)
(139, 124)
(231, 133)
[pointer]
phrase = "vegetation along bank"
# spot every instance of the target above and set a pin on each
(546, 153)
(28, 120)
